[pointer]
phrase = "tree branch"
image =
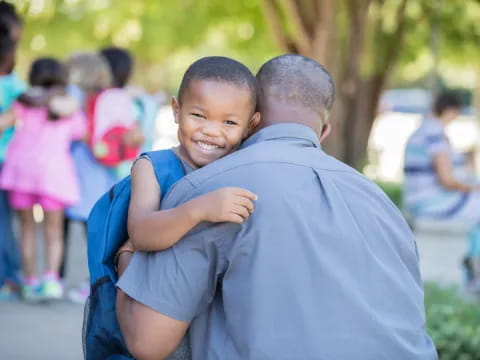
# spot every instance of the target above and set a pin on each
(301, 37)
(357, 15)
(271, 11)
(394, 45)
(308, 11)
(324, 33)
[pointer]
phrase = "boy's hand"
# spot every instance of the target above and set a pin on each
(227, 205)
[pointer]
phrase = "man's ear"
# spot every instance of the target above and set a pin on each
(326, 129)
(253, 124)
(175, 109)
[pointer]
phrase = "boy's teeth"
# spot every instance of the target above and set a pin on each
(207, 146)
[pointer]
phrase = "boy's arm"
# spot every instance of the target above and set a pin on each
(151, 229)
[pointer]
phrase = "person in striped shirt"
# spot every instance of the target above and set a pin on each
(436, 185)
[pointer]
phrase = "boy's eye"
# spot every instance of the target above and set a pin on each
(198, 115)
(230, 122)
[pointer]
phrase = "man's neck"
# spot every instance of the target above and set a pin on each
(279, 113)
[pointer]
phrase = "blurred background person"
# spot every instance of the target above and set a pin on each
(39, 170)
(121, 63)
(88, 75)
(11, 86)
(145, 106)
(436, 185)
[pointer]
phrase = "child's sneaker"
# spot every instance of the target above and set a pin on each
(52, 289)
(79, 295)
(8, 293)
(32, 293)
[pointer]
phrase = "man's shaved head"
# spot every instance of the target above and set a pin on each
(297, 80)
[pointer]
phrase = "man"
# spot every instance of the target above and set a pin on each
(325, 268)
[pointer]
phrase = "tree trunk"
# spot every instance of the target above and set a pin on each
(317, 35)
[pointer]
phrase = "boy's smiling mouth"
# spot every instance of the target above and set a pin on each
(207, 145)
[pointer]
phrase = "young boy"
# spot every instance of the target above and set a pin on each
(215, 112)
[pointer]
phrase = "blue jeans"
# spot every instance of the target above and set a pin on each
(9, 256)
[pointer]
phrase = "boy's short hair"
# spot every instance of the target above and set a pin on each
(47, 72)
(222, 69)
(121, 64)
(444, 101)
(89, 71)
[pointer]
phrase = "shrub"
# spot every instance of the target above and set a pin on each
(393, 191)
(453, 323)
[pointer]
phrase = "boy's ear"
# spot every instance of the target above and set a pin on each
(175, 109)
(254, 122)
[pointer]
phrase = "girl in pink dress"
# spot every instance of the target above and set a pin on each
(39, 170)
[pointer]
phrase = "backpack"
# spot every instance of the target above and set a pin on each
(106, 232)
(110, 118)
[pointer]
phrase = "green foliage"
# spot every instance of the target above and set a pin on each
(165, 36)
(393, 191)
(453, 324)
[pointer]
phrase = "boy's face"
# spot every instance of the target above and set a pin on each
(213, 119)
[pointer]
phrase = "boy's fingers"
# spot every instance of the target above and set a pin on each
(247, 203)
(245, 193)
(241, 210)
(234, 218)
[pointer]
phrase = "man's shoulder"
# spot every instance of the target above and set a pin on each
(265, 155)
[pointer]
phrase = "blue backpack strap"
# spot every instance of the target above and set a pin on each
(168, 168)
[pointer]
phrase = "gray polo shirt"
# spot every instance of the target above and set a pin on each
(325, 268)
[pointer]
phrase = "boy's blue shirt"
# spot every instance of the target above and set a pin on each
(11, 87)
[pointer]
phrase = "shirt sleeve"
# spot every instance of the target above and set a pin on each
(437, 142)
(179, 282)
(19, 86)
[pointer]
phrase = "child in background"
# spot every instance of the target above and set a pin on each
(88, 75)
(11, 86)
(10, 19)
(39, 170)
(144, 107)
(120, 63)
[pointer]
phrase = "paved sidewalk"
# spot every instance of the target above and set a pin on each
(46, 331)
(41, 332)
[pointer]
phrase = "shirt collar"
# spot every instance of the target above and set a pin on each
(284, 131)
